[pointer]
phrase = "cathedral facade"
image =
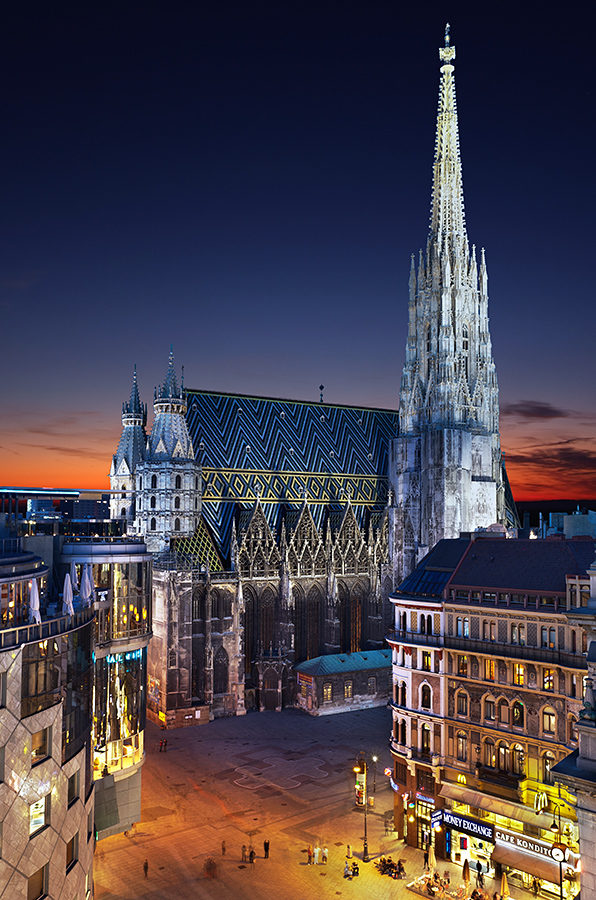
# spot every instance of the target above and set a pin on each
(279, 528)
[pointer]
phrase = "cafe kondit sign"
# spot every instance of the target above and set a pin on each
(526, 844)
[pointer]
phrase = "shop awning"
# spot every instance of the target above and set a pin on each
(539, 866)
(507, 808)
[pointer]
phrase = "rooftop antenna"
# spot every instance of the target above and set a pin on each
(321, 389)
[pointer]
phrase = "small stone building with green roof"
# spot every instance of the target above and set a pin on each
(340, 682)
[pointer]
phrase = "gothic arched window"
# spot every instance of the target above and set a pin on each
(176, 524)
(220, 672)
(490, 757)
(153, 525)
(122, 513)
(140, 482)
(123, 489)
(177, 503)
(402, 732)
(178, 483)
(465, 342)
(153, 502)
(518, 714)
(154, 481)
(425, 697)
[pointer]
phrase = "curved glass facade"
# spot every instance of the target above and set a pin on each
(119, 706)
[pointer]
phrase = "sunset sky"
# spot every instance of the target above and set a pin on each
(247, 182)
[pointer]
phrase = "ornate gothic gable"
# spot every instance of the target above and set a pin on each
(259, 556)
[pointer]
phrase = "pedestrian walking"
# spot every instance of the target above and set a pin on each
(223, 848)
(349, 852)
(161, 745)
(316, 853)
(309, 852)
(251, 856)
(243, 853)
(266, 849)
(325, 854)
(426, 857)
(146, 867)
(165, 745)
(347, 870)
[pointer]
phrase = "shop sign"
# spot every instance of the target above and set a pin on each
(304, 679)
(436, 818)
(521, 842)
(468, 826)
(425, 799)
(121, 657)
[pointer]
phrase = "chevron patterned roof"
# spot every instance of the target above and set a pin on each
(281, 450)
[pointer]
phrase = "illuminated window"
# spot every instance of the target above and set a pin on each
(548, 679)
(425, 661)
(462, 665)
(425, 739)
(493, 632)
(518, 674)
(462, 704)
(41, 745)
(489, 710)
(489, 669)
(517, 759)
(548, 761)
(490, 756)
(348, 690)
(327, 692)
(462, 746)
(39, 815)
(503, 757)
(514, 634)
(549, 720)
(517, 714)
(522, 635)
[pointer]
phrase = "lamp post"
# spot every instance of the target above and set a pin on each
(559, 850)
(360, 768)
(375, 759)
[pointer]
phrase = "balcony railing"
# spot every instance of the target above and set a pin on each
(28, 634)
(477, 646)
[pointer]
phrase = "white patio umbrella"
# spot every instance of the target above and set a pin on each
(34, 614)
(73, 576)
(432, 858)
(89, 571)
(86, 588)
(67, 607)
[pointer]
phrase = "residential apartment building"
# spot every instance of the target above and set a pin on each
(488, 684)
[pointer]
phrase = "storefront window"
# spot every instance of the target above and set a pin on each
(120, 680)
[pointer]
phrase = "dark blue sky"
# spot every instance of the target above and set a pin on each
(247, 181)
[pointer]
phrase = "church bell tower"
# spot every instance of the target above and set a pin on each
(445, 464)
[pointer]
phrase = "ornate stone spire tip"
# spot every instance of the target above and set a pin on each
(447, 53)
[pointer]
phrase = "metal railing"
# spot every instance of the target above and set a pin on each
(28, 634)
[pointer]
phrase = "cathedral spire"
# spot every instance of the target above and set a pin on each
(447, 205)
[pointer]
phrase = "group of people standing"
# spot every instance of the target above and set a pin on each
(317, 853)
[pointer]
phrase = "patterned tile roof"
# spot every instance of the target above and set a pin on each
(283, 450)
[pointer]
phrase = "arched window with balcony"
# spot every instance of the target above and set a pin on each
(548, 761)
(462, 746)
(425, 696)
(518, 714)
(503, 757)
(490, 755)
(517, 759)
(425, 739)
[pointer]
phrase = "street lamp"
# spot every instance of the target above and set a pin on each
(375, 759)
(559, 850)
(360, 768)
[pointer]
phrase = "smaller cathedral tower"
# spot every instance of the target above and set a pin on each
(131, 450)
(168, 479)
